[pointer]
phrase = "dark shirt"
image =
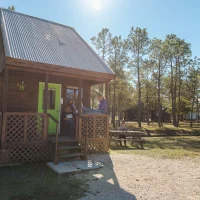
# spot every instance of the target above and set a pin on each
(103, 106)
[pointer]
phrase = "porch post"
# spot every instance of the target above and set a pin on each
(106, 95)
(108, 107)
(79, 109)
(79, 96)
(46, 92)
(5, 90)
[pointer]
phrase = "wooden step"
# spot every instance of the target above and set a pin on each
(69, 147)
(71, 155)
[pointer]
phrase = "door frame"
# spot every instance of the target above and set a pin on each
(59, 102)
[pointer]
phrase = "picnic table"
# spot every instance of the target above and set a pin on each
(132, 136)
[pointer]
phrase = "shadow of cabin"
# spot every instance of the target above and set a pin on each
(108, 183)
(40, 62)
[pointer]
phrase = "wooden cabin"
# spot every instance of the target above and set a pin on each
(42, 66)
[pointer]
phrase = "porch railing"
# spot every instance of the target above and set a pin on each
(96, 130)
(86, 121)
(97, 126)
(23, 128)
(56, 144)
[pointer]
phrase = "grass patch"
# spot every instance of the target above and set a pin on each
(165, 147)
(37, 181)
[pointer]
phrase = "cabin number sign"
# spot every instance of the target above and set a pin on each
(20, 85)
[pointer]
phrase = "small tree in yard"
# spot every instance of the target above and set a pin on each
(158, 57)
(193, 83)
(138, 45)
(117, 60)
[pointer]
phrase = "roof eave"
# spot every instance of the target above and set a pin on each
(59, 69)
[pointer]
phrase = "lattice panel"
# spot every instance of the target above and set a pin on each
(28, 153)
(35, 128)
(14, 129)
(97, 145)
(100, 126)
(97, 126)
(90, 127)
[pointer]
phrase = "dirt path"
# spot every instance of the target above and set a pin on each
(126, 176)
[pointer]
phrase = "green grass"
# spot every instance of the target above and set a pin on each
(37, 181)
(165, 147)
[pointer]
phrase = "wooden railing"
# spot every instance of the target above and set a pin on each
(95, 132)
(97, 126)
(86, 134)
(56, 144)
(23, 128)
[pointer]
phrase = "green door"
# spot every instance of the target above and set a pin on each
(53, 106)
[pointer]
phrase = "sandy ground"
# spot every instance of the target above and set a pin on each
(126, 176)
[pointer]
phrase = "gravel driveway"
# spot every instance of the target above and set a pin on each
(126, 176)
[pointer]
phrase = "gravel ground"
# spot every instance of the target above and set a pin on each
(126, 176)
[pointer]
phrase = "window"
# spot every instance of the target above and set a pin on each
(51, 99)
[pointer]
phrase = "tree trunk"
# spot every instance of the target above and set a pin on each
(114, 104)
(172, 96)
(197, 109)
(179, 95)
(147, 106)
(139, 94)
(159, 103)
(119, 110)
(193, 98)
(175, 96)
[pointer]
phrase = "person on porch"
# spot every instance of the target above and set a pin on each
(69, 122)
(72, 106)
(102, 109)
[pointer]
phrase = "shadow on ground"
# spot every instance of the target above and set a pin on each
(103, 183)
(36, 181)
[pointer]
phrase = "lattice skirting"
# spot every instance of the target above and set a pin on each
(4, 157)
(24, 153)
(96, 145)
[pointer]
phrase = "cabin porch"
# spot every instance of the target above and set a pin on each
(27, 119)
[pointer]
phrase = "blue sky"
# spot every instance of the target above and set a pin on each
(88, 17)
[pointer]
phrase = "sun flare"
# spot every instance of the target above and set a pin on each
(96, 4)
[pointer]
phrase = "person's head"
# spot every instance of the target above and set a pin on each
(68, 108)
(71, 102)
(123, 123)
(100, 96)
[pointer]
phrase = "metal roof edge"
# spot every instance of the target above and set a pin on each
(6, 43)
(38, 18)
(93, 52)
(28, 62)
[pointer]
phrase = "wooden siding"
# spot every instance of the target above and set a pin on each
(1, 93)
(26, 100)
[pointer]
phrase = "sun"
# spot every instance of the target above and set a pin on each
(96, 4)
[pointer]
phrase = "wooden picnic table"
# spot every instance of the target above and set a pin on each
(132, 136)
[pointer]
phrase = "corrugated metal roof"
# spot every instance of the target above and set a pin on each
(30, 38)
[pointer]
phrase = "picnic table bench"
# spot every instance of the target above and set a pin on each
(132, 136)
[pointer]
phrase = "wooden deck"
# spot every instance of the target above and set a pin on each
(25, 137)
